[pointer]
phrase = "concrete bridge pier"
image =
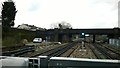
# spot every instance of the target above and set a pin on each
(66, 38)
(50, 38)
(56, 38)
(116, 33)
(93, 38)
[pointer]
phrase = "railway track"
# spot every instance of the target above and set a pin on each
(69, 52)
(109, 54)
(111, 49)
(19, 51)
(97, 53)
(57, 51)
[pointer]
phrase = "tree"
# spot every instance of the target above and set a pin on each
(8, 14)
(61, 25)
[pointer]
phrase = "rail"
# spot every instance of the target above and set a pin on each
(57, 51)
(106, 52)
(19, 51)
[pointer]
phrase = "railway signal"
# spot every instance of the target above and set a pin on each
(82, 35)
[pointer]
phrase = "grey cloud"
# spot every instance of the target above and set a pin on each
(111, 2)
(35, 5)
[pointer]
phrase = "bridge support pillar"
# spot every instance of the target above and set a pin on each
(93, 38)
(56, 35)
(65, 38)
(56, 38)
(70, 37)
(51, 38)
(116, 33)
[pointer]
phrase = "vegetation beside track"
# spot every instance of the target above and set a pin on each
(15, 36)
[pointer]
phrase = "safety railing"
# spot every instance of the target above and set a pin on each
(64, 62)
(57, 62)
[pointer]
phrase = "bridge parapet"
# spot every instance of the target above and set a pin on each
(56, 34)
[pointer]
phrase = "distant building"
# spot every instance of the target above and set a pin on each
(24, 26)
(29, 27)
(115, 42)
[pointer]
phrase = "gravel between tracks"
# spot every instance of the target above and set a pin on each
(83, 53)
(41, 49)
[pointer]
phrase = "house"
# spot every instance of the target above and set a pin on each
(29, 27)
(24, 26)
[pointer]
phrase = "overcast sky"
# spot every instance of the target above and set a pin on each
(79, 13)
